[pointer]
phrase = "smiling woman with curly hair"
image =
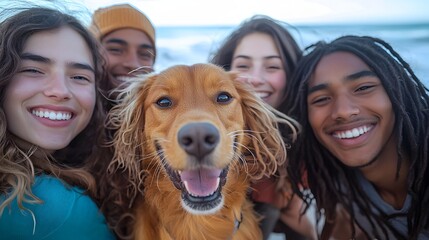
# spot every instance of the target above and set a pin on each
(50, 109)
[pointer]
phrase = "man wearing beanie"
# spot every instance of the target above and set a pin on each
(128, 37)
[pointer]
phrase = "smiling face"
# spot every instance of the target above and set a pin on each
(127, 50)
(205, 137)
(195, 129)
(258, 60)
(51, 98)
(350, 111)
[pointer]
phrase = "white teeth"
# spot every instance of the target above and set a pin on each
(262, 94)
(52, 115)
(353, 133)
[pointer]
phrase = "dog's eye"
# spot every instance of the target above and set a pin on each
(223, 97)
(164, 102)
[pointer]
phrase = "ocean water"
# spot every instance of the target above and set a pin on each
(188, 45)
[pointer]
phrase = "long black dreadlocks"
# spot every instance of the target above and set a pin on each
(325, 174)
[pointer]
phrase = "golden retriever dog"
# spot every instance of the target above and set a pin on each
(198, 137)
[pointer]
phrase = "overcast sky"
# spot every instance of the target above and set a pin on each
(232, 12)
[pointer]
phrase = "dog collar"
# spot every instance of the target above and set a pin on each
(237, 223)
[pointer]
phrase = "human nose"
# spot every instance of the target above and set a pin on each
(257, 77)
(344, 108)
(57, 88)
(131, 61)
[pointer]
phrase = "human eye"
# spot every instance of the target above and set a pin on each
(83, 78)
(241, 66)
(31, 70)
(365, 88)
(318, 100)
(273, 68)
(273, 65)
(365, 82)
(114, 50)
(145, 55)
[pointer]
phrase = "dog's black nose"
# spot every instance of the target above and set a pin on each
(198, 139)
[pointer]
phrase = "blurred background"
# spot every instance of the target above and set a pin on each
(188, 31)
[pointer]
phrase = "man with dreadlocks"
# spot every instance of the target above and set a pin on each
(365, 138)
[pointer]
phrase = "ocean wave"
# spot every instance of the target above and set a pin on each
(189, 45)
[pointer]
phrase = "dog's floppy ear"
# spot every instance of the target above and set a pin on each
(126, 121)
(266, 146)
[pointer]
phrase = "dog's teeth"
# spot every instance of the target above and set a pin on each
(186, 185)
(187, 188)
(194, 194)
(190, 193)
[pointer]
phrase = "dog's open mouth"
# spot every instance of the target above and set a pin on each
(201, 188)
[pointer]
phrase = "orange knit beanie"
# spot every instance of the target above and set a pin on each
(108, 19)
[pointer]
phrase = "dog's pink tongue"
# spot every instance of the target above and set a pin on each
(201, 182)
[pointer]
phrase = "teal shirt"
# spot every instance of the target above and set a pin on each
(66, 213)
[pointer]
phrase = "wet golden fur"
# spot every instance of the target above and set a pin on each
(142, 125)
